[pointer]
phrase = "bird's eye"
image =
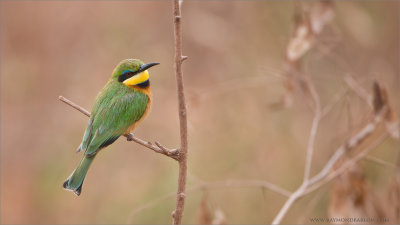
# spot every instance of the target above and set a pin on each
(125, 75)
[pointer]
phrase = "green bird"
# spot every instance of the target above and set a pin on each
(122, 104)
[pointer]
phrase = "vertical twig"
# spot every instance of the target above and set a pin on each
(314, 128)
(180, 198)
(309, 23)
(310, 151)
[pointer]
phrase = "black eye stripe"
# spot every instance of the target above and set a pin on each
(125, 76)
(128, 74)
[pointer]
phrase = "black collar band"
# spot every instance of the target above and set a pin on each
(144, 84)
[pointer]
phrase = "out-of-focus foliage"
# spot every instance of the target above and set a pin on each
(234, 73)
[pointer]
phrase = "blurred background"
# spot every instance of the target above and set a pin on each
(234, 74)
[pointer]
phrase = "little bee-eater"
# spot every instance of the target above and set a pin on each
(117, 110)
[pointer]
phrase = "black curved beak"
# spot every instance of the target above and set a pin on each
(146, 66)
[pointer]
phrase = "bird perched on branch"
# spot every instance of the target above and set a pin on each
(122, 104)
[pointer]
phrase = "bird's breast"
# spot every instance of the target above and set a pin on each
(147, 92)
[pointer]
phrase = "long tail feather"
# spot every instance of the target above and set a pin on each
(75, 180)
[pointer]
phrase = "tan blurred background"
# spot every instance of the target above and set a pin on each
(233, 74)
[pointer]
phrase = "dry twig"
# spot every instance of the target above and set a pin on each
(379, 161)
(309, 86)
(358, 90)
(183, 150)
(328, 177)
(310, 150)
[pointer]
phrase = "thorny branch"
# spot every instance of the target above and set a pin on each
(158, 148)
(179, 58)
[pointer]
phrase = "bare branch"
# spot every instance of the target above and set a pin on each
(172, 153)
(310, 150)
(158, 148)
(314, 128)
(379, 161)
(352, 83)
(309, 25)
(338, 96)
(325, 179)
(350, 144)
(183, 150)
(292, 198)
(75, 106)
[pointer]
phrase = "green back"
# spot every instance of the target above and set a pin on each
(116, 108)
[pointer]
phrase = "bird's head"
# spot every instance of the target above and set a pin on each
(132, 72)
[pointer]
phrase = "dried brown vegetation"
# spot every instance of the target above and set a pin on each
(206, 216)
(351, 196)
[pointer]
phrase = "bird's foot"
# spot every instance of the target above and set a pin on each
(129, 136)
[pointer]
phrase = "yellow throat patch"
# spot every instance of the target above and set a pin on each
(137, 79)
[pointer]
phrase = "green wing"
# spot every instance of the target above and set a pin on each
(116, 108)
(86, 136)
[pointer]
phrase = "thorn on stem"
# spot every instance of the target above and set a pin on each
(165, 150)
(173, 214)
(158, 144)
